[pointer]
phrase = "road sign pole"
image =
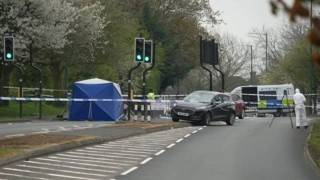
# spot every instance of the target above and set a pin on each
(144, 79)
(130, 87)
(202, 54)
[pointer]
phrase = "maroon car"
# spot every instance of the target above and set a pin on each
(240, 105)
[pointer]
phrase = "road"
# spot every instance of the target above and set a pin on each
(249, 150)
(35, 127)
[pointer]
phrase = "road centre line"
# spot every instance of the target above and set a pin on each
(194, 132)
(21, 176)
(93, 158)
(129, 171)
(14, 135)
(146, 161)
(98, 155)
(200, 129)
(171, 145)
(179, 140)
(112, 153)
(59, 170)
(86, 160)
(67, 166)
(186, 136)
(160, 152)
(78, 163)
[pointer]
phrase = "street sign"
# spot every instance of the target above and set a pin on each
(210, 52)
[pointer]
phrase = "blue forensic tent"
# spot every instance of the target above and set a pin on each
(96, 110)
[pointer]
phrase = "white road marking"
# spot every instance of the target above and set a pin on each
(78, 163)
(151, 148)
(186, 136)
(171, 145)
(70, 177)
(160, 152)
(22, 176)
(91, 161)
(59, 170)
(112, 153)
(200, 129)
(70, 167)
(194, 132)
(93, 158)
(98, 155)
(14, 135)
(129, 171)
(145, 161)
(38, 132)
(179, 140)
(118, 150)
(10, 124)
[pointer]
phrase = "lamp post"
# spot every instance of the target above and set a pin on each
(266, 49)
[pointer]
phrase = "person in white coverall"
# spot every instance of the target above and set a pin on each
(300, 109)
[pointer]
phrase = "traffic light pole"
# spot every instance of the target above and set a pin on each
(20, 87)
(40, 81)
(222, 78)
(144, 78)
(202, 65)
(130, 87)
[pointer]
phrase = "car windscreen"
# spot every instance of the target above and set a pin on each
(199, 97)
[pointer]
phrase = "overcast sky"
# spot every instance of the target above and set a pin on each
(241, 16)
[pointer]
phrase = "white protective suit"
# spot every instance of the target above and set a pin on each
(300, 109)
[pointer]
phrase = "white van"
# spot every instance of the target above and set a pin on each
(273, 99)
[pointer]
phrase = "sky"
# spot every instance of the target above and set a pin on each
(242, 16)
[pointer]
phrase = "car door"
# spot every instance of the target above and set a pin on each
(217, 107)
(226, 106)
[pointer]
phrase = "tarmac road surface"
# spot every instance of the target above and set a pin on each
(249, 150)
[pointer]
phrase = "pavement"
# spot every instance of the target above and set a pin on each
(89, 135)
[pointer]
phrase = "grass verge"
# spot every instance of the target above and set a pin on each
(314, 143)
(29, 110)
(17, 145)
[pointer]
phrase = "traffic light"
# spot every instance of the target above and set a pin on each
(139, 49)
(8, 48)
(148, 55)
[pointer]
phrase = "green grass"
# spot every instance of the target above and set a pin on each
(30, 110)
(314, 143)
(8, 151)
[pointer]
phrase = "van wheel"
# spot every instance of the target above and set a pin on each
(231, 120)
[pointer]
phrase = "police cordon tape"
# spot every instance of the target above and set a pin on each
(83, 100)
(120, 100)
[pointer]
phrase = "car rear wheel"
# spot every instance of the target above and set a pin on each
(206, 119)
(241, 116)
(231, 120)
(175, 119)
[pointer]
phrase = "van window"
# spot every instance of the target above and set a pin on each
(268, 95)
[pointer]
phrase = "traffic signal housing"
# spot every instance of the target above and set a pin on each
(148, 55)
(139, 49)
(8, 48)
